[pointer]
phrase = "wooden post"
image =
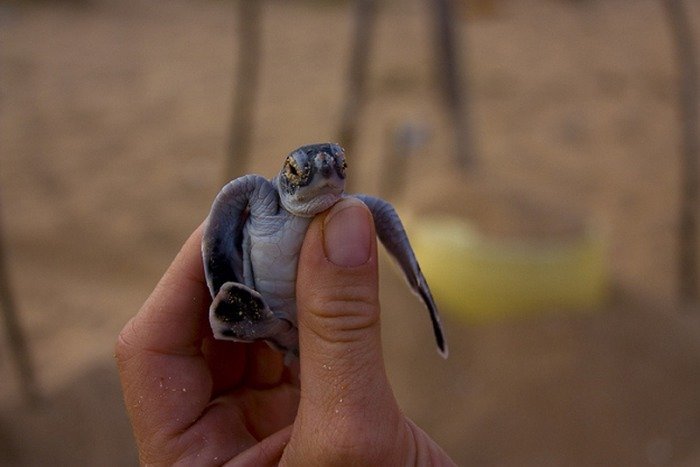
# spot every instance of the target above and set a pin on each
(363, 35)
(246, 87)
(688, 101)
(15, 336)
(450, 78)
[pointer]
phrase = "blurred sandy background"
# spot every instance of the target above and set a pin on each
(113, 130)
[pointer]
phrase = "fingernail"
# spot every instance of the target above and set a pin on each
(346, 234)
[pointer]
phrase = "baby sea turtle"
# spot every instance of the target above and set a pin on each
(252, 240)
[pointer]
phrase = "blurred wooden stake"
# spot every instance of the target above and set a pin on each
(18, 344)
(404, 141)
(246, 87)
(449, 76)
(363, 35)
(688, 101)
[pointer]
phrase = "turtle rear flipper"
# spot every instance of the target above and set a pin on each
(239, 313)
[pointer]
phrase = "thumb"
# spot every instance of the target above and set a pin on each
(343, 381)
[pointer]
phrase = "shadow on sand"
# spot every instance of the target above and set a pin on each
(83, 423)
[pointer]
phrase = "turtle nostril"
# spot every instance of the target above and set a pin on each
(323, 163)
(326, 170)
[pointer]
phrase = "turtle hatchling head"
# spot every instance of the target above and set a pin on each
(312, 178)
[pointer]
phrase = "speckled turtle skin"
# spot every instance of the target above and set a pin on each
(252, 240)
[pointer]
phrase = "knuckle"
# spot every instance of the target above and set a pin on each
(123, 347)
(341, 315)
(347, 301)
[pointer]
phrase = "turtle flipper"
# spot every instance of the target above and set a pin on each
(239, 313)
(391, 232)
(222, 242)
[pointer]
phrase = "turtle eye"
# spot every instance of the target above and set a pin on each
(291, 170)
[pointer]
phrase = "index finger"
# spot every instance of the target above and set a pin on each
(172, 321)
(161, 366)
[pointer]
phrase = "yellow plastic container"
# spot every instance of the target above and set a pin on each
(482, 279)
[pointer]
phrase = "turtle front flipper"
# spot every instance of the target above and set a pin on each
(223, 238)
(393, 236)
(239, 313)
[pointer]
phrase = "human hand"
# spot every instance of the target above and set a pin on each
(193, 400)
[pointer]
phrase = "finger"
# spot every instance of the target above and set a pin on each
(266, 453)
(159, 354)
(343, 381)
(234, 423)
(265, 366)
(173, 319)
(226, 361)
